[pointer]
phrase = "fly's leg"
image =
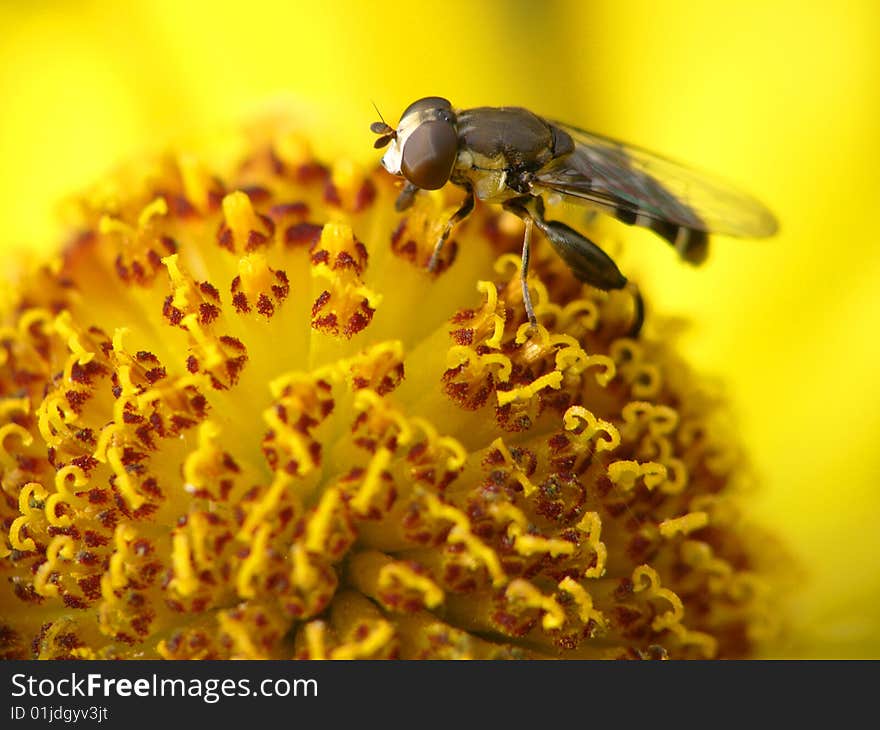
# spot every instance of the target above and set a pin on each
(463, 212)
(589, 263)
(406, 197)
(517, 206)
(524, 274)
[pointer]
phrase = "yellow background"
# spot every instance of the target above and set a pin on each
(781, 97)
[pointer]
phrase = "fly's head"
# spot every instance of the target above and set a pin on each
(424, 146)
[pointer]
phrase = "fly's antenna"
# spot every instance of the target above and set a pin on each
(382, 128)
(378, 112)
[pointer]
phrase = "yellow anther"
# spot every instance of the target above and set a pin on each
(213, 357)
(263, 508)
(235, 630)
(22, 545)
(644, 577)
(290, 440)
(336, 237)
(607, 368)
(127, 390)
(196, 467)
(314, 633)
(591, 524)
(402, 573)
(661, 420)
(461, 354)
(507, 264)
(184, 581)
(518, 473)
(62, 546)
(488, 288)
(118, 334)
(278, 386)
(64, 327)
(197, 182)
(123, 479)
(14, 405)
(376, 638)
(173, 389)
(374, 298)
(499, 445)
(51, 511)
(349, 286)
(539, 335)
(527, 544)
(52, 419)
(577, 416)
(369, 401)
(700, 556)
(107, 224)
(564, 340)
(108, 595)
(679, 479)
(684, 525)
(583, 310)
(346, 175)
(105, 438)
(571, 359)
(625, 351)
(255, 275)
(526, 392)
(178, 280)
(302, 572)
(505, 512)
(505, 366)
(31, 490)
(706, 643)
(584, 602)
(522, 591)
(319, 525)
(626, 474)
(154, 209)
(491, 306)
(34, 316)
(646, 380)
(461, 533)
(199, 528)
(123, 535)
(185, 295)
(458, 454)
(253, 564)
(372, 482)
(497, 332)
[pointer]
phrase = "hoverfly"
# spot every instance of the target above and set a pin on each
(509, 155)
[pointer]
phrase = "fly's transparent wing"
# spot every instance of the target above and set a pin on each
(639, 187)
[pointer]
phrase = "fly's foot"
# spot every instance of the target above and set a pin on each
(435, 257)
(527, 304)
(638, 311)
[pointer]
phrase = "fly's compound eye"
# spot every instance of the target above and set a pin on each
(429, 154)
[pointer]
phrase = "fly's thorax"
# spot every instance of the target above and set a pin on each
(521, 138)
(486, 176)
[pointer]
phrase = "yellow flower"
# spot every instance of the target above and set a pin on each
(240, 420)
